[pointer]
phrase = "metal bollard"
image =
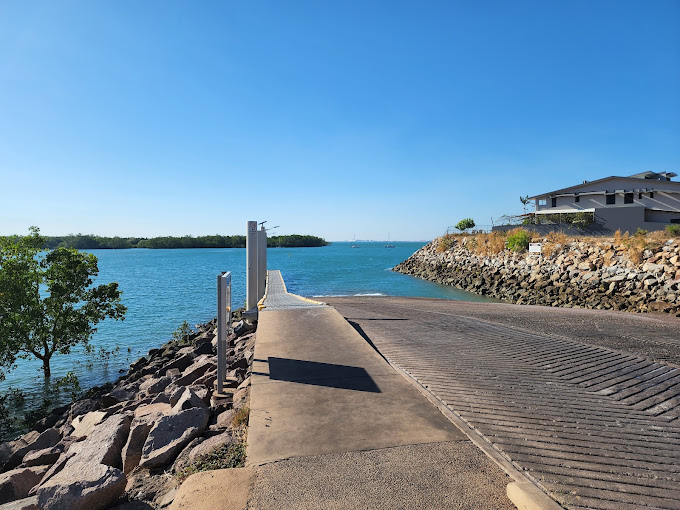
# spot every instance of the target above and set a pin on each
(251, 266)
(223, 325)
(261, 262)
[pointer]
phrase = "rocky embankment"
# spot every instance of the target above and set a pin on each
(130, 442)
(578, 274)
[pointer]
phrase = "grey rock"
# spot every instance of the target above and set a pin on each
(161, 398)
(155, 385)
(187, 400)
(84, 406)
(85, 424)
(210, 445)
(224, 419)
(170, 434)
(45, 440)
(201, 392)
(30, 503)
(105, 444)
(175, 394)
(194, 372)
(44, 457)
(180, 363)
(132, 451)
(17, 483)
(118, 395)
(82, 486)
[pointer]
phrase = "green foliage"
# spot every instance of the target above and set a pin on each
(465, 224)
(215, 241)
(92, 242)
(20, 278)
(47, 302)
(578, 219)
(445, 242)
(296, 241)
(230, 455)
(518, 240)
(70, 384)
(182, 333)
(673, 229)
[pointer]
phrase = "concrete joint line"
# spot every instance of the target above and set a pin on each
(524, 493)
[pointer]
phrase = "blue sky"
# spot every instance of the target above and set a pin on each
(336, 119)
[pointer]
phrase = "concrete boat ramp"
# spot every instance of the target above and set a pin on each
(419, 403)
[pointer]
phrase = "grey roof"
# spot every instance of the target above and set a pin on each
(633, 179)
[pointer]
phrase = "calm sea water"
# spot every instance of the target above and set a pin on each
(162, 288)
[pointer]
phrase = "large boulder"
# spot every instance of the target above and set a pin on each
(30, 503)
(154, 385)
(105, 444)
(180, 363)
(132, 451)
(45, 440)
(194, 372)
(17, 483)
(82, 486)
(84, 406)
(119, 395)
(187, 400)
(44, 457)
(85, 424)
(170, 434)
(210, 445)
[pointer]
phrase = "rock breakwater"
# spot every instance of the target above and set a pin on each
(131, 441)
(586, 274)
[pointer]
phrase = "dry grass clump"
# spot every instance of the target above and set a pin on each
(240, 418)
(554, 243)
(227, 456)
(489, 244)
(445, 242)
(636, 244)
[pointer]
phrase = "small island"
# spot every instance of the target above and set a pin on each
(94, 242)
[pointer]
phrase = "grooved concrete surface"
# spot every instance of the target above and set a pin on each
(596, 427)
(278, 298)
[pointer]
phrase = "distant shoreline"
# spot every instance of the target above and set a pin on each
(94, 242)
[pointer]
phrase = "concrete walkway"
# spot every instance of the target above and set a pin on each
(333, 425)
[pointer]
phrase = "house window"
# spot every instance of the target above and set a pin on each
(651, 194)
(675, 220)
(542, 202)
(577, 198)
(628, 198)
(611, 199)
(553, 202)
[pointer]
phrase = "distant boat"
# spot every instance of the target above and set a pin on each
(354, 245)
(388, 245)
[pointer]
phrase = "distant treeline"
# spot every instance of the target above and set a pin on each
(92, 242)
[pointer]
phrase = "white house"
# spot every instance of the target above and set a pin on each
(648, 200)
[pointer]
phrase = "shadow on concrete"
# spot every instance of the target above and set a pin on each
(363, 334)
(320, 374)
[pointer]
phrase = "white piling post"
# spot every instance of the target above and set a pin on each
(251, 266)
(223, 325)
(261, 262)
(221, 330)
